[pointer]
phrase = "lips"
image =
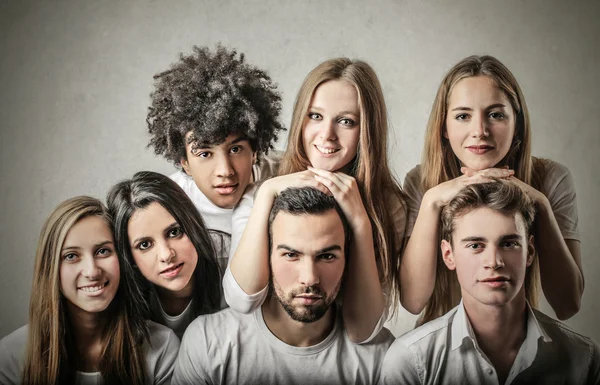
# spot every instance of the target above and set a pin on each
(495, 281)
(308, 299)
(172, 271)
(226, 188)
(480, 149)
(326, 150)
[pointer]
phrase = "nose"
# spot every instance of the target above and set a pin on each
(165, 252)
(91, 270)
(492, 259)
(224, 168)
(479, 127)
(308, 273)
(327, 130)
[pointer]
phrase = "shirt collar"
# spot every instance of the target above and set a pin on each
(461, 329)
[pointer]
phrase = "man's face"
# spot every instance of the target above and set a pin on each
(490, 252)
(307, 263)
(222, 171)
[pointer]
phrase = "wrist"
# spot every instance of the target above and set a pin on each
(431, 202)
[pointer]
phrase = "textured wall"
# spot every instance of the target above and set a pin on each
(75, 78)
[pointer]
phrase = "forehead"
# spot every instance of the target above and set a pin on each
(146, 220)
(90, 230)
(308, 233)
(476, 90)
(229, 140)
(489, 224)
(336, 95)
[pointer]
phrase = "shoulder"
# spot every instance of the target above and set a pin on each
(179, 177)
(427, 335)
(567, 339)
(216, 326)
(412, 181)
(268, 165)
(552, 173)
(12, 355)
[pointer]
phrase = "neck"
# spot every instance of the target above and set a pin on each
(499, 330)
(293, 332)
(175, 302)
(87, 332)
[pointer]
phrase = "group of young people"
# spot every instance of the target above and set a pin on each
(252, 266)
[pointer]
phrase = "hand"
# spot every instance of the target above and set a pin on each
(443, 193)
(535, 195)
(346, 193)
(276, 185)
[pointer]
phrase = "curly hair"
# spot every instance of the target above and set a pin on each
(212, 94)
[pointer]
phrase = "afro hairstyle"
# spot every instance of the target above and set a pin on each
(212, 94)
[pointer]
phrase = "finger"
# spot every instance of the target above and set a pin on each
(468, 171)
(333, 177)
(497, 172)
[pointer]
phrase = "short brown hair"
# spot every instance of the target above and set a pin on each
(502, 196)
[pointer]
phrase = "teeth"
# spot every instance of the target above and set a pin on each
(91, 289)
(326, 150)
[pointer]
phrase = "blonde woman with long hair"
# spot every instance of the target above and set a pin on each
(85, 322)
(337, 144)
(479, 129)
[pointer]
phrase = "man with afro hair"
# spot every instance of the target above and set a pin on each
(215, 117)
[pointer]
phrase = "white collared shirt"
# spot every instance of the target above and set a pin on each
(445, 351)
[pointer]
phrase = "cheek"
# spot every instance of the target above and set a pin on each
(66, 277)
(144, 262)
(285, 273)
(187, 251)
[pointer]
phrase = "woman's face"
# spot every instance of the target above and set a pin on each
(331, 127)
(480, 122)
(89, 266)
(161, 250)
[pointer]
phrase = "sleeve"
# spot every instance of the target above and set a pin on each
(399, 366)
(559, 187)
(192, 361)
(12, 353)
(594, 368)
(166, 362)
(237, 298)
(414, 196)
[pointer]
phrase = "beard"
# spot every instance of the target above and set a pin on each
(305, 313)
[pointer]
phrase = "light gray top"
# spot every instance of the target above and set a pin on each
(233, 348)
(445, 351)
(557, 185)
(161, 353)
(178, 323)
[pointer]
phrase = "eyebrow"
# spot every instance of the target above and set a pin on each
(146, 237)
(506, 237)
(79, 248)
(323, 250)
(487, 108)
(340, 113)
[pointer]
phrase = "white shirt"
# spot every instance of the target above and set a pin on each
(445, 351)
(160, 355)
(232, 348)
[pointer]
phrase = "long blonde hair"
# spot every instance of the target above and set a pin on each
(439, 164)
(51, 355)
(377, 186)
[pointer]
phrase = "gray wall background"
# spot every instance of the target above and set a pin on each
(76, 75)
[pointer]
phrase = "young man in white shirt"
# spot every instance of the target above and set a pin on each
(215, 116)
(493, 336)
(297, 336)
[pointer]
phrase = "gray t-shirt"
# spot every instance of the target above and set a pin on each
(232, 348)
(161, 353)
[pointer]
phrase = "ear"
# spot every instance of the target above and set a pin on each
(254, 157)
(186, 166)
(447, 255)
(530, 251)
(445, 132)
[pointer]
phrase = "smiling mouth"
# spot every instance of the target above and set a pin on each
(93, 289)
(480, 149)
(326, 150)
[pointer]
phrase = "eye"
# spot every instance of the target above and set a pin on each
(236, 149)
(347, 122)
(104, 252)
(315, 116)
(510, 245)
(327, 257)
(175, 232)
(462, 116)
(496, 115)
(290, 255)
(475, 246)
(70, 257)
(203, 154)
(144, 245)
